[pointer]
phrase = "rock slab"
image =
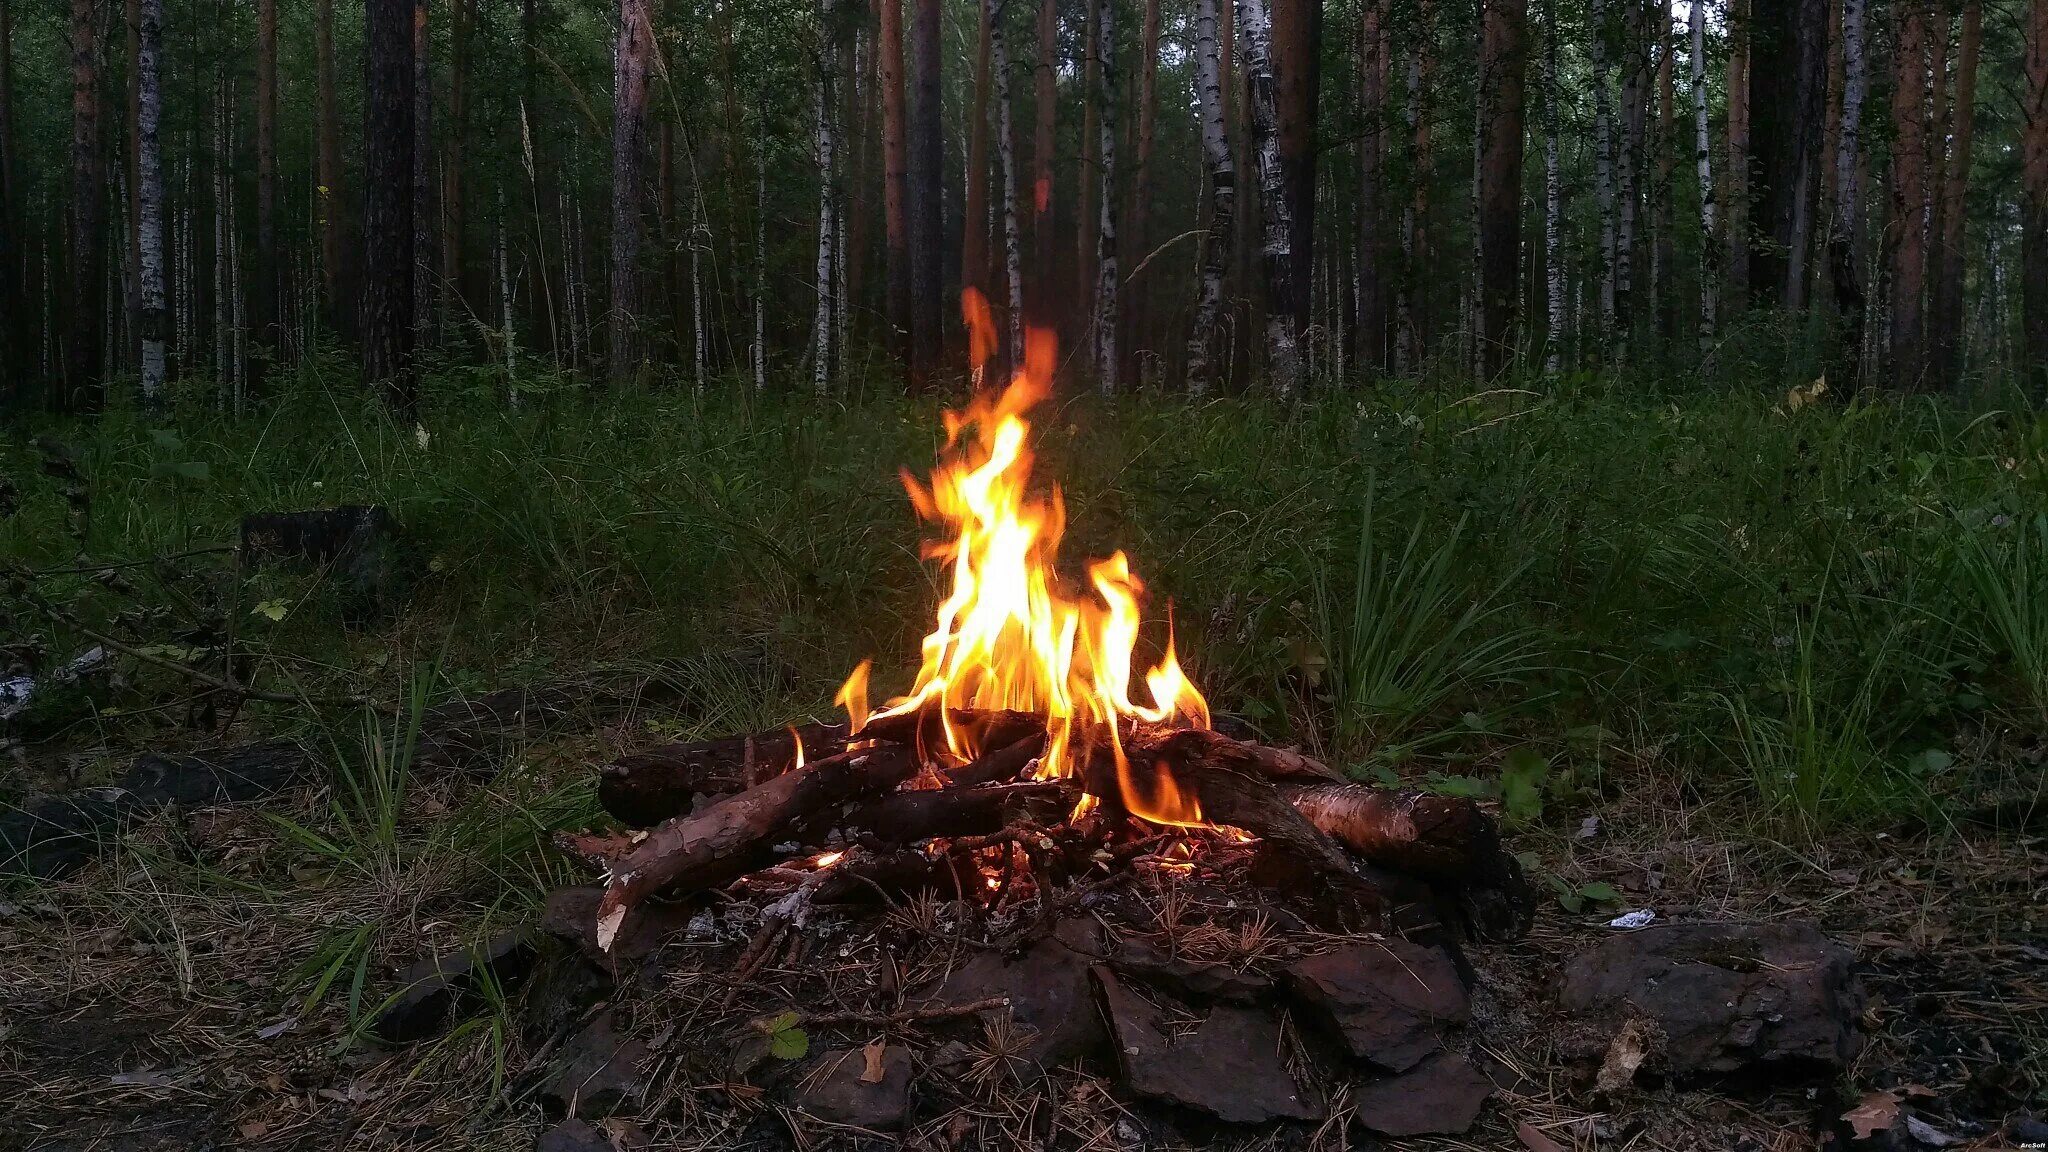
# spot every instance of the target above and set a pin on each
(599, 1070)
(1440, 1096)
(1049, 993)
(1231, 1067)
(853, 1087)
(1388, 1001)
(432, 989)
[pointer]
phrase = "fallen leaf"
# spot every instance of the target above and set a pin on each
(253, 1130)
(273, 1031)
(1625, 1053)
(873, 1073)
(1876, 1112)
(1534, 1140)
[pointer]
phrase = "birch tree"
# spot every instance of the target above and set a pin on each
(1105, 316)
(1848, 207)
(1553, 203)
(1703, 163)
(821, 327)
(1006, 163)
(150, 180)
(1284, 360)
(1222, 172)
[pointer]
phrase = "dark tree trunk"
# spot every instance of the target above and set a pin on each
(1091, 161)
(13, 302)
(1503, 51)
(2034, 230)
(387, 315)
(1297, 83)
(629, 182)
(927, 182)
(454, 268)
(263, 300)
(1372, 99)
(1945, 325)
(974, 224)
(1787, 99)
(337, 286)
(1910, 193)
(1046, 107)
(425, 276)
(84, 391)
(895, 183)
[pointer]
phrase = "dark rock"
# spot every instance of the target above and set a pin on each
(433, 989)
(571, 915)
(848, 1087)
(1388, 1001)
(356, 543)
(1049, 993)
(559, 993)
(1723, 996)
(1191, 979)
(1442, 1095)
(598, 1071)
(573, 1136)
(1230, 1067)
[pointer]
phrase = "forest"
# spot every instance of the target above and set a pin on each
(1151, 575)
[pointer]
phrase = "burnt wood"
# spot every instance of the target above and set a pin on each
(645, 788)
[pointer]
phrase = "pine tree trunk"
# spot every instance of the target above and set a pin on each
(1006, 163)
(1372, 98)
(84, 391)
(1553, 203)
(1945, 324)
(1412, 346)
(131, 198)
(13, 296)
(454, 149)
(2034, 210)
(337, 288)
(1703, 163)
(1107, 364)
(1843, 263)
(895, 183)
(1045, 109)
(425, 284)
(927, 179)
(1137, 232)
(263, 303)
(1091, 162)
(629, 184)
(387, 316)
(150, 223)
(1627, 188)
(1277, 258)
(974, 225)
(1603, 169)
(1910, 194)
(821, 325)
(1503, 50)
(1662, 272)
(1296, 49)
(1735, 209)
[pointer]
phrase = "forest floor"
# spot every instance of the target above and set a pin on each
(1769, 662)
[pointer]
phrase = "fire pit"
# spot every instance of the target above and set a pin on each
(1075, 844)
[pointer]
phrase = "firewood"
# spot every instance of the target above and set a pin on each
(909, 817)
(739, 832)
(1001, 765)
(645, 788)
(992, 728)
(1197, 745)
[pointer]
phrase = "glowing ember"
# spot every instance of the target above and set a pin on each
(827, 859)
(1009, 636)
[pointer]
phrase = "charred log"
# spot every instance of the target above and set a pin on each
(991, 727)
(911, 817)
(648, 787)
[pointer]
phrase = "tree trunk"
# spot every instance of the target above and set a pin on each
(150, 223)
(1372, 99)
(821, 325)
(1843, 264)
(1137, 233)
(1006, 163)
(1412, 347)
(84, 391)
(1735, 211)
(1277, 257)
(1107, 365)
(1216, 157)
(895, 186)
(1045, 107)
(1297, 30)
(13, 298)
(424, 273)
(1091, 161)
(2034, 210)
(1787, 97)
(387, 317)
(131, 199)
(927, 178)
(1503, 49)
(1627, 185)
(1945, 325)
(454, 266)
(1553, 204)
(1662, 272)
(337, 288)
(629, 183)
(1703, 162)
(264, 306)
(1910, 194)
(974, 225)
(1603, 170)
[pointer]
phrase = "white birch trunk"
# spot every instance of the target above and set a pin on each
(821, 328)
(700, 237)
(1006, 156)
(1106, 276)
(1626, 191)
(1222, 195)
(1703, 148)
(1603, 169)
(222, 377)
(760, 349)
(505, 311)
(1553, 203)
(1278, 252)
(150, 173)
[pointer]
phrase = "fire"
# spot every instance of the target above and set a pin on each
(1010, 635)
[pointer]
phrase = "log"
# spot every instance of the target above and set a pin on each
(645, 788)
(1003, 764)
(1201, 746)
(992, 728)
(738, 833)
(910, 817)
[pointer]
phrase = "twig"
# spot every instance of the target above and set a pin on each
(905, 1016)
(81, 569)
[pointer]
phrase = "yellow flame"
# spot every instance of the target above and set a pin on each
(1007, 635)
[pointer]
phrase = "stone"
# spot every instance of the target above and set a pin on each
(599, 1071)
(571, 915)
(1722, 997)
(1440, 1096)
(573, 1136)
(431, 990)
(1189, 979)
(1049, 993)
(1388, 1001)
(859, 1088)
(1231, 1067)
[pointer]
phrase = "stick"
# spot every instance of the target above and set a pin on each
(648, 787)
(905, 1016)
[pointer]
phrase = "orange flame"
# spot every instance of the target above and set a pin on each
(1008, 636)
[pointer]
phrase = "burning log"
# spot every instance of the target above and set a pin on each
(738, 833)
(648, 787)
(909, 817)
(992, 727)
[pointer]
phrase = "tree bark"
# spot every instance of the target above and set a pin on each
(1843, 264)
(150, 216)
(1107, 365)
(1297, 30)
(269, 337)
(1222, 172)
(1091, 161)
(927, 179)
(974, 225)
(424, 282)
(1371, 305)
(1910, 193)
(1553, 203)
(1137, 232)
(1412, 345)
(1945, 324)
(1603, 169)
(387, 317)
(1277, 257)
(14, 370)
(1735, 210)
(1703, 163)
(895, 186)
(2034, 210)
(337, 288)
(629, 184)
(84, 390)
(1503, 51)
(1006, 163)
(454, 149)
(826, 146)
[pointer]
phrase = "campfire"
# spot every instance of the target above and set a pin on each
(1025, 783)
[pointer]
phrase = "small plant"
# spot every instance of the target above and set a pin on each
(2007, 583)
(786, 1041)
(369, 797)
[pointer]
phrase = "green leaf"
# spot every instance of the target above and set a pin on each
(789, 1044)
(272, 610)
(782, 1023)
(1522, 774)
(1458, 785)
(1930, 762)
(1600, 891)
(1571, 901)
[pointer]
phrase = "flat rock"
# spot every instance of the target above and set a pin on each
(850, 1087)
(1049, 993)
(433, 988)
(1388, 1001)
(1230, 1067)
(1722, 996)
(1442, 1095)
(573, 1136)
(598, 1070)
(571, 915)
(1188, 979)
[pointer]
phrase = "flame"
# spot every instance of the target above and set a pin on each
(798, 737)
(1009, 635)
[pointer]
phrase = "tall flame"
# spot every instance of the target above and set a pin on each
(1008, 636)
